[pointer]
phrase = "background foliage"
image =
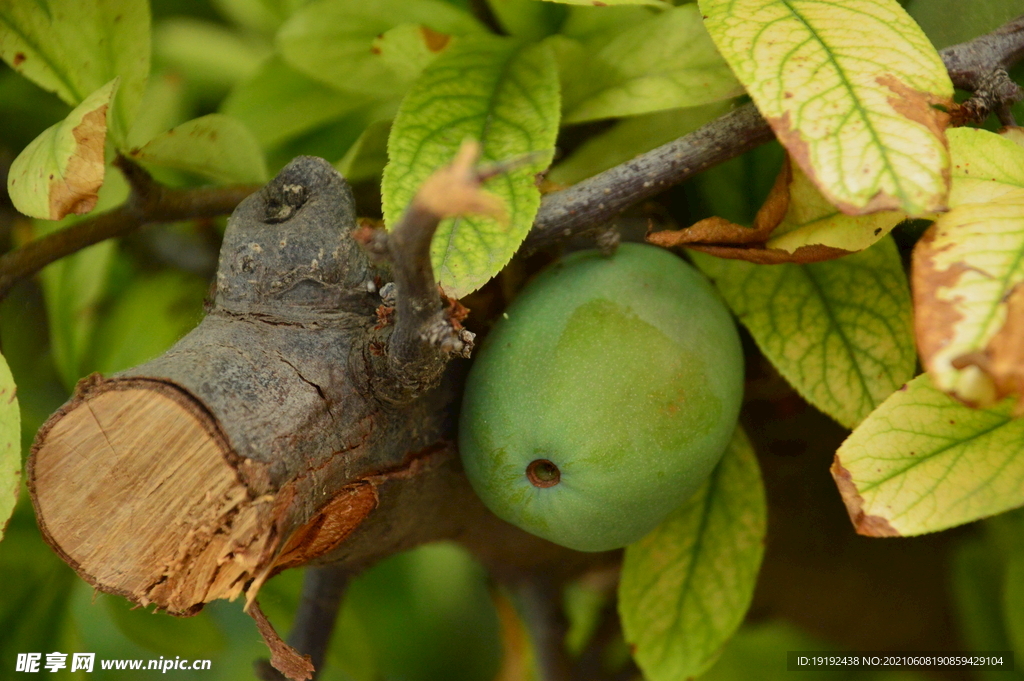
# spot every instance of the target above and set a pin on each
(230, 90)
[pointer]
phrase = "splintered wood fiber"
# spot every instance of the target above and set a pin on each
(137, 493)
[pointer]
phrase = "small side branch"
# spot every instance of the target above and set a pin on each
(970, 63)
(322, 592)
(149, 202)
(539, 602)
(586, 206)
(425, 333)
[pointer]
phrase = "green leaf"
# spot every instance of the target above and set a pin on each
(367, 157)
(26, 110)
(762, 647)
(630, 137)
(736, 189)
(163, 107)
(975, 583)
(664, 62)
(152, 313)
(848, 86)
(10, 445)
(923, 462)
(503, 94)
(686, 586)
(425, 615)
(528, 19)
(263, 16)
(333, 139)
(838, 331)
(74, 47)
(186, 636)
(590, 3)
(210, 57)
(26, 347)
(279, 103)
(345, 43)
(1013, 601)
(597, 25)
(934, 17)
(61, 171)
(217, 146)
(583, 602)
(33, 608)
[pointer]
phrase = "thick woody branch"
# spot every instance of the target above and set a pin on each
(149, 202)
(587, 206)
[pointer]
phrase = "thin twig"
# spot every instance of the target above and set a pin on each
(322, 592)
(585, 207)
(970, 62)
(538, 601)
(581, 209)
(425, 335)
(149, 202)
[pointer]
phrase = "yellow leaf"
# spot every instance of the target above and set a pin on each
(812, 220)
(967, 272)
(849, 86)
(61, 170)
(985, 165)
(965, 268)
(796, 224)
(922, 462)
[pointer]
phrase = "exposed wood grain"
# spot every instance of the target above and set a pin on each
(116, 487)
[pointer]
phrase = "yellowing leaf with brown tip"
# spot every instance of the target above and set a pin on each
(74, 47)
(796, 224)
(812, 220)
(61, 170)
(849, 86)
(922, 462)
(967, 274)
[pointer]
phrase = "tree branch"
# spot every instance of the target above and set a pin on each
(322, 592)
(538, 601)
(969, 63)
(586, 206)
(579, 210)
(583, 208)
(148, 202)
(425, 335)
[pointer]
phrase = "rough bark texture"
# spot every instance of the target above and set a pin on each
(259, 441)
(272, 436)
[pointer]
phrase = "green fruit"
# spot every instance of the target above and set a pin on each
(604, 399)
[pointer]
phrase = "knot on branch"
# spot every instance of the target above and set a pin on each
(994, 91)
(288, 246)
(427, 324)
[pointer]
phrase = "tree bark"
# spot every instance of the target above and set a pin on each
(261, 440)
(272, 435)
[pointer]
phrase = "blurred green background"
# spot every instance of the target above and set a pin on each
(433, 613)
